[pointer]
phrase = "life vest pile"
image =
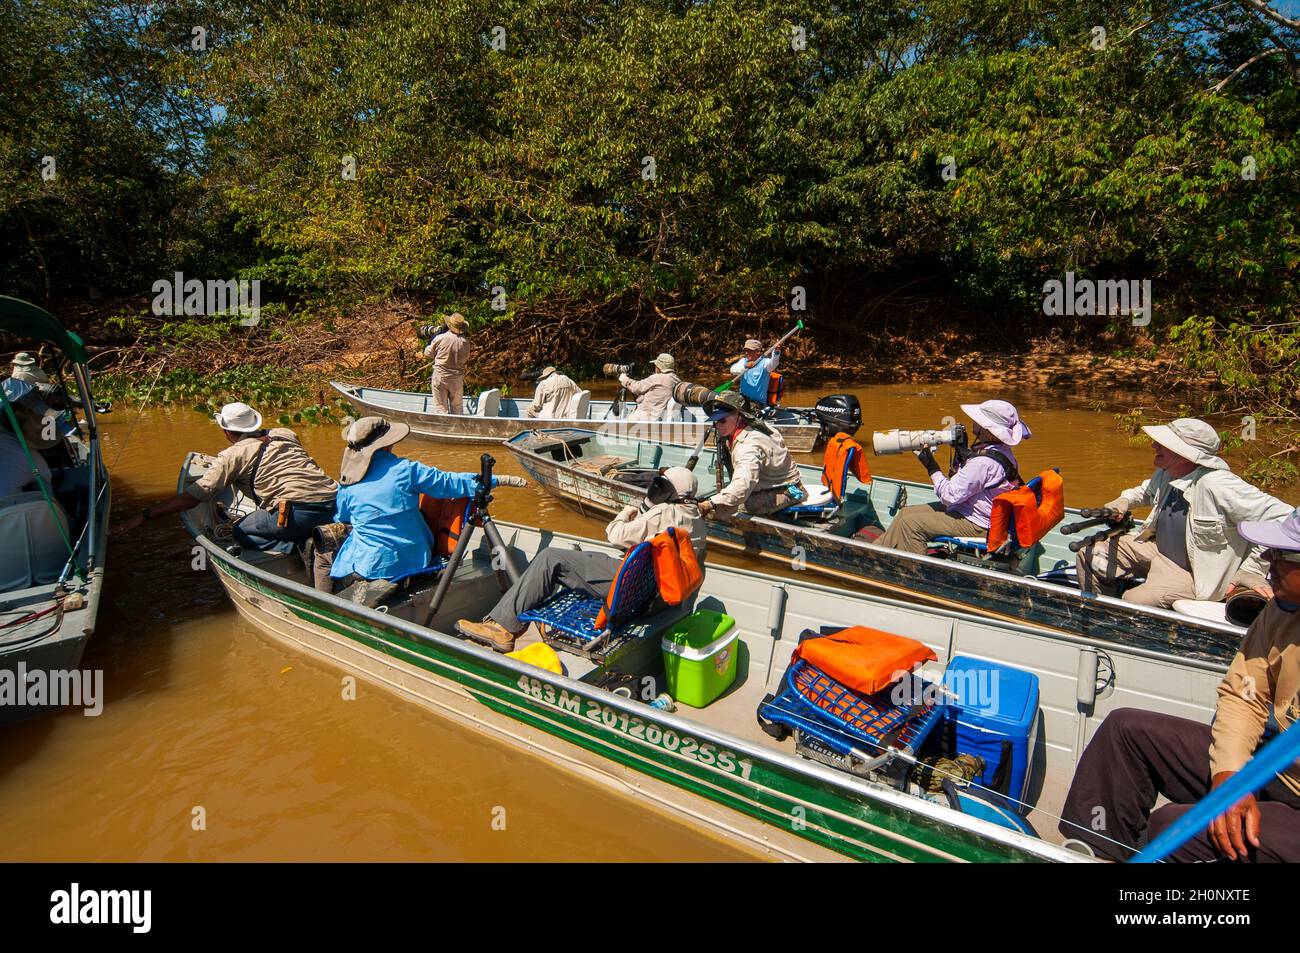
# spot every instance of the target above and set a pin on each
(865, 660)
(1034, 511)
(445, 519)
(843, 456)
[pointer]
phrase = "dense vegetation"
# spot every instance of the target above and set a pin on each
(598, 159)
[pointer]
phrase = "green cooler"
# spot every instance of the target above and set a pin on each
(700, 655)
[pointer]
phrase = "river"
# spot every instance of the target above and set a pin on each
(218, 743)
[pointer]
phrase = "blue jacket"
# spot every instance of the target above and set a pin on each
(389, 537)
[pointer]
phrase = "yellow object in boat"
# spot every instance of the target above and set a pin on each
(541, 655)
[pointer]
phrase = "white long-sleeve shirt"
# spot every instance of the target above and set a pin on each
(552, 398)
(652, 394)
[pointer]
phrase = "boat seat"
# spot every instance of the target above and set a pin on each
(489, 403)
(34, 552)
(975, 545)
(580, 405)
(820, 504)
(570, 615)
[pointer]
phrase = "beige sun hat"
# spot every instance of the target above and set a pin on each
(23, 359)
(666, 363)
(1191, 439)
(683, 481)
(238, 418)
(456, 322)
(363, 438)
(547, 371)
(753, 344)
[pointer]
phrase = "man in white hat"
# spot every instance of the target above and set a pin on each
(670, 501)
(965, 503)
(291, 493)
(553, 395)
(756, 370)
(654, 393)
(1137, 757)
(450, 352)
(25, 368)
(1189, 547)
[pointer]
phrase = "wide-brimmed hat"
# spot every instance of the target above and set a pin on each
(753, 344)
(1275, 534)
(1000, 419)
(23, 359)
(547, 371)
(363, 438)
(683, 481)
(238, 417)
(728, 402)
(666, 363)
(1191, 439)
(457, 322)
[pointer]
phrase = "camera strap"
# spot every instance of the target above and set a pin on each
(1009, 468)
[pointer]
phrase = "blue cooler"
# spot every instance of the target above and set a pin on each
(994, 705)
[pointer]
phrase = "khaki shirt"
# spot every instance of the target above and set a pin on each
(631, 526)
(1264, 677)
(450, 353)
(285, 473)
(759, 462)
(653, 394)
(552, 398)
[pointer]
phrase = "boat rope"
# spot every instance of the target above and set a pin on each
(960, 780)
(42, 484)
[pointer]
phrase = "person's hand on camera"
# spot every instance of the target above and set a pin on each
(507, 479)
(926, 456)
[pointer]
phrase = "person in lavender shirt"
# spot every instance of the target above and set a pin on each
(966, 495)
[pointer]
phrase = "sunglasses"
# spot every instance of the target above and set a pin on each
(1282, 555)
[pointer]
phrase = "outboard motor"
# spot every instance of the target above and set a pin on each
(838, 413)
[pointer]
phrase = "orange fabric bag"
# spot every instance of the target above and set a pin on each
(445, 519)
(1033, 518)
(836, 458)
(677, 571)
(865, 660)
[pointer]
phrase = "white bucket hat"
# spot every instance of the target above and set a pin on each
(1000, 419)
(683, 481)
(1191, 439)
(23, 359)
(1276, 534)
(238, 417)
(666, 363)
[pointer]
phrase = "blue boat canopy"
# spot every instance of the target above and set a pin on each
(27, 320)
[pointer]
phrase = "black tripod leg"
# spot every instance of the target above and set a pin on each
(499, 549)
(449, 572)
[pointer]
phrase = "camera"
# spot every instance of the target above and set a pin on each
(614, 370)
(429, 331)
(901, 441)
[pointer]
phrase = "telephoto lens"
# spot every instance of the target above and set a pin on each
(615, 370)
(901, 441)
(429, 331)
(691, 395)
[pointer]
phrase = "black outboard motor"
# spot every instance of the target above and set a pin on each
(838, 413)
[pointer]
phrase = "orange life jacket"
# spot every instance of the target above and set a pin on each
(843, 456)
(774, 388)
(865, 660)
(1033, 513)
(676, 567)
(445, 519)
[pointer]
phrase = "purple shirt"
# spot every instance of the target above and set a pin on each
(971, 490)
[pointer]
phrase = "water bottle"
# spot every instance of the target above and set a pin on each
(664, 702)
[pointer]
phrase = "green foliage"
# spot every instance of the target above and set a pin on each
(261, 386)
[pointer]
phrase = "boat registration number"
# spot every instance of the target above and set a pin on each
(632, 726)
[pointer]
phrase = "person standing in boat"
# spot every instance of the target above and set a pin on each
(756, 371)
(379, 495)
(555, 391)
(450, 352)
(1189, 547)
(293, 495)
(654, 393)
(1138, 756)
(764, 477)
(965, 502)
(670, 501)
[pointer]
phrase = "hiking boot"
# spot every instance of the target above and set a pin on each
(489, 633)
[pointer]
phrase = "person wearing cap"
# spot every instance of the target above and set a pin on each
(379, 495)
(1138, 756)
(654, 393)
(669, 501)
(25, 368)
(1189, 546)
(764, 477)
(965, 503)
(553, 395)
(450, 352)
(756, 370)
(291, 494)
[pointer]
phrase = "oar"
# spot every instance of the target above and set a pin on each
(799, 326)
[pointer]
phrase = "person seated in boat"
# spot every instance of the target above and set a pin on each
(290, 491)
(654, 393)
(966, 495)
(756, 370)
(43, 427)
(1189, 547)
(379, 496)
(1137, 756)
(764, 477)
(670, 501)
(450, 352)
(19, 468)
(553, 395)
(25, 368)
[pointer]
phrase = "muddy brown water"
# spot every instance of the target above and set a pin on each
(203, 711)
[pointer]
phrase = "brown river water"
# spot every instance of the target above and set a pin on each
(202, 710)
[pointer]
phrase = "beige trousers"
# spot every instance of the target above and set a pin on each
(448, 389)
(1165, 579)
(914, 526)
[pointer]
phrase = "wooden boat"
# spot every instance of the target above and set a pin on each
(595, 473)
(713, 766)
(490, 418)
(52, 559)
